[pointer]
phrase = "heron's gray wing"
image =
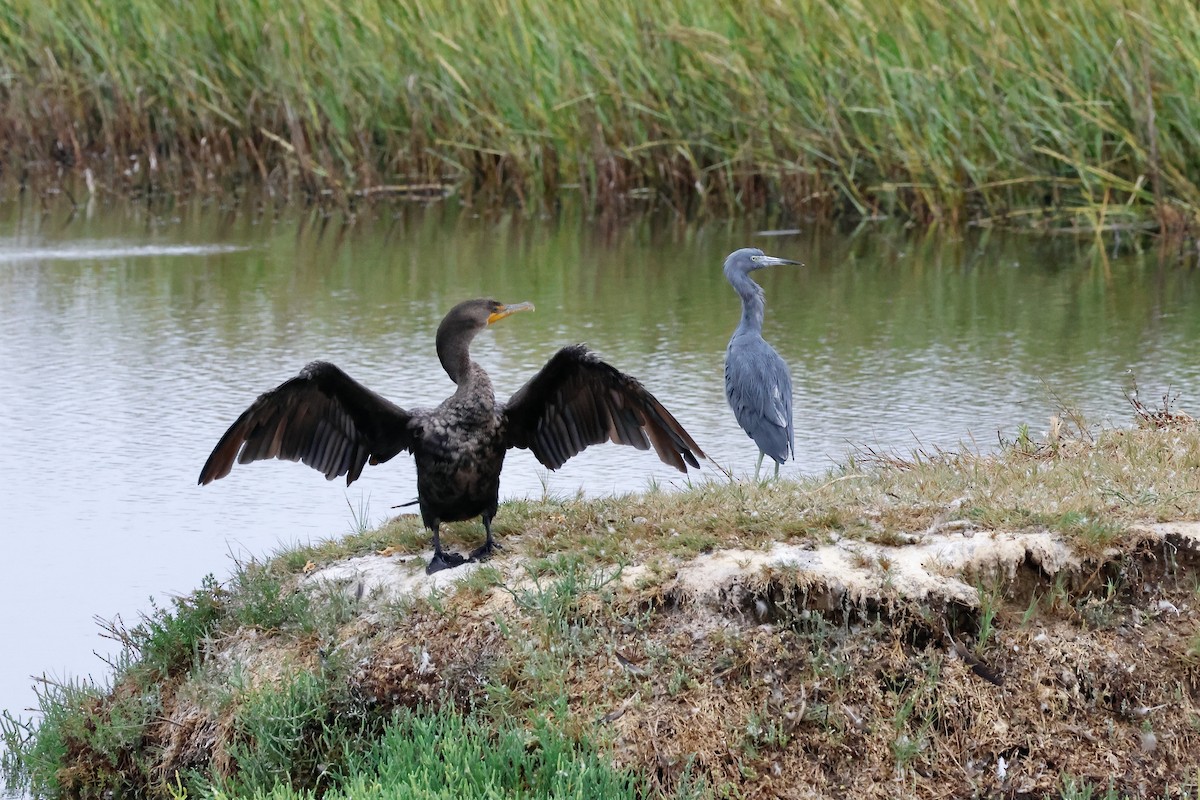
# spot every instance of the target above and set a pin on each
(321, 417)
(577, 400)
(759, 389)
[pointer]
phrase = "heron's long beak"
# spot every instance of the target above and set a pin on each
(509, 310)
(772, 261)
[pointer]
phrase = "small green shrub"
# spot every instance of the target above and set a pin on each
(446, 756)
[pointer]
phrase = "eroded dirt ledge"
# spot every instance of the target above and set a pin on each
(961, 663)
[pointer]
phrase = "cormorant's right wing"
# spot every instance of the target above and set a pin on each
(321, 417)
(578, 400)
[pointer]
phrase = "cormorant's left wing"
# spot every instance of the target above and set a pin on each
(321, 417)
(578, 400)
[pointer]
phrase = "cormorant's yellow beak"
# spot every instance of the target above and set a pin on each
(509, 310)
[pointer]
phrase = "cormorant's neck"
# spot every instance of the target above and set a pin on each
(754, 302)
(453, 349)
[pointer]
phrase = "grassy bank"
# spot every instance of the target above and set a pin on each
(648, 646)
(1081, 113)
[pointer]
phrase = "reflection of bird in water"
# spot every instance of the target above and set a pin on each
(336, 425)
(758, 385)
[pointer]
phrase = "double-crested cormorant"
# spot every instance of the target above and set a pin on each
(758, 385)
(336, 425)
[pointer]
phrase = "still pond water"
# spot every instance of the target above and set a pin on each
(130, 338)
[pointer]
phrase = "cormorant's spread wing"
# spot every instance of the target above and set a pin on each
(577, 400)
(322, 417)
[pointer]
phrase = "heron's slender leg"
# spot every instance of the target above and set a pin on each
(776, 470)
(489, 546)
(441, 559)
(758, 466)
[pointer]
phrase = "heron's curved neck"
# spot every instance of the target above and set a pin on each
(754, 302)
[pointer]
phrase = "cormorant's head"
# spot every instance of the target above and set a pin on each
(749, 259)
(475, 315)
(498, 311)
(465, 320)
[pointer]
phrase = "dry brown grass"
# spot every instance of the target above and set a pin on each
(871, 701)
(777, 687)
(1089, 484)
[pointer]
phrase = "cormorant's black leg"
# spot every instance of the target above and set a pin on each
(441, 559)
(490, 545)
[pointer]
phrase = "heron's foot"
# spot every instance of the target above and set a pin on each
(442, 560)
(486, 551)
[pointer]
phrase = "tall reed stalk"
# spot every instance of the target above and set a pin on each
(1078, 112)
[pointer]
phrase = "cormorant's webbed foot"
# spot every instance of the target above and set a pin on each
(485, 551)
(442, 560)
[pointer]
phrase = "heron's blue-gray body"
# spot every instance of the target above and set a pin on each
(758, 384)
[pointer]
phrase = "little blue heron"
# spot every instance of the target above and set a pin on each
(758, 385)
(334, 424)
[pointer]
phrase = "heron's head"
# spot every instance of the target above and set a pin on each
(749, 259)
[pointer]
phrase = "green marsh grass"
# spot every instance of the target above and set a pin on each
(37, 752)
(296, 733)
(445, 755)
(1078, 114)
